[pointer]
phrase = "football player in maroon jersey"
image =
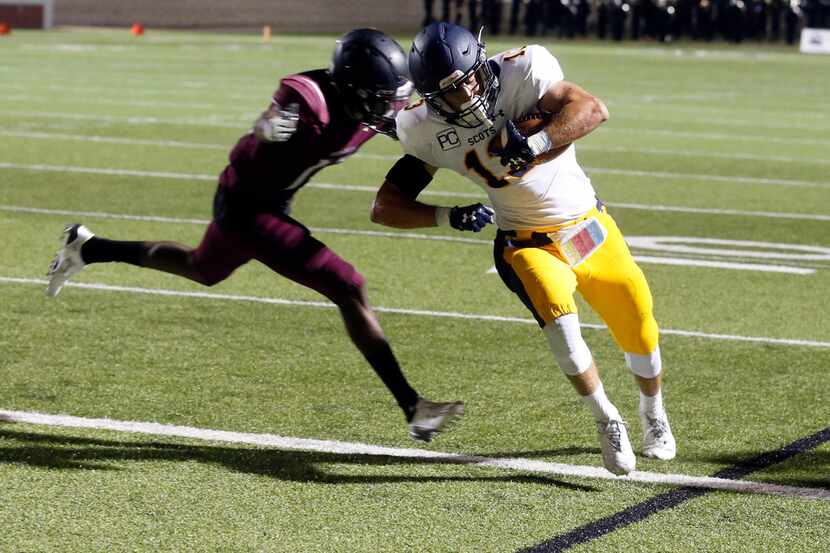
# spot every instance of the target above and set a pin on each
(315, 119)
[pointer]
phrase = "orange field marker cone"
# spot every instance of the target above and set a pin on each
(266, 33)
(5, 28)
(137, 29)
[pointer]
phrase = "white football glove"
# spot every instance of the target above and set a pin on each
(281, 126)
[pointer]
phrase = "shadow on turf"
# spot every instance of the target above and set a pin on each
(66, 452)
(561, 452)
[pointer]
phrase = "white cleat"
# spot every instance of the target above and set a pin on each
(658, 441)
(67, 261)
(617, 455)
(432, 417)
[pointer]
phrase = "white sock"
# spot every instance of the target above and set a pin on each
(651, 405)
(602, 409)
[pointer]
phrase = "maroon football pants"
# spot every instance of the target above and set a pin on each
(284, 245)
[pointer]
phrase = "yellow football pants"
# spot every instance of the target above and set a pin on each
(609, 280)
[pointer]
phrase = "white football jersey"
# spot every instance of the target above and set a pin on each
(548, 194)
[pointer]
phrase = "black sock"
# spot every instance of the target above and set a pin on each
(387, 368)
(101, 250)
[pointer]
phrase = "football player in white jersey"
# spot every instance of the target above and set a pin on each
(555, 237)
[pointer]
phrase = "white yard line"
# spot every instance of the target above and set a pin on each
(107, 171)
(181, 220)
(686, 262)
(95, 100)
(707, 178)
(213, 177)
(115, 140)
(634, 111)
(398, 311)
(717, 211)
(759, 137)
(583, 147)
(207, 121)
(657, 260)
(131, 90)
(621, 105)
(177, 220)
(356, 448)
(243, 120)
(704, 154)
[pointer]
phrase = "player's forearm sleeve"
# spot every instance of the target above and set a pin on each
(410, 175)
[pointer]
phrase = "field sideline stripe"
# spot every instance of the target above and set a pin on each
(599, 170)
(352, 448)
(671, 499)
(399, 311)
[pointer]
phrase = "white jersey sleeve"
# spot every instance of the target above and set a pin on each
(413, 134)
(528, 73)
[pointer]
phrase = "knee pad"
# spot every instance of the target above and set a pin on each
(646, 365)
(569, 349)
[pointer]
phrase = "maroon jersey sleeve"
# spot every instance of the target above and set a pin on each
(271, 172)
(306, 93)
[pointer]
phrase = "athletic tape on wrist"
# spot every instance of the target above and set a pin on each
(442, 216)
(540, 142)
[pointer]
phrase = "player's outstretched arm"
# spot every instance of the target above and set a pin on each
(393, 208)
(577, 112)
(395, 204)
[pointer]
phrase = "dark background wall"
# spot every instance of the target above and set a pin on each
(282, 15)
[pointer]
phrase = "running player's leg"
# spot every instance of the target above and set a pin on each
(219, 254)
(618, 291)
(287, 247)
(215, 258)
(546, 285)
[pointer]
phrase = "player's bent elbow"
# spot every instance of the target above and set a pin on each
(376, 214)
(600, 111)
(384, 206)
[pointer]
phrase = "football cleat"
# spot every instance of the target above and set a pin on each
(658, 441)
(432, 417)
(617, 455)
(67, 261)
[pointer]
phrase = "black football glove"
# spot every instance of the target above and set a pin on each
(516, 153)
(471, 217)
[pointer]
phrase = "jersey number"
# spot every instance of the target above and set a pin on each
(473, 163)
(515, 53)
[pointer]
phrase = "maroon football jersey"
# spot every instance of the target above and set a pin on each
(267, 175)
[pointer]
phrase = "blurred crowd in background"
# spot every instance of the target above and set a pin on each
(662, 20)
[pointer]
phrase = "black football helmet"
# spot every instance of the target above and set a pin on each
(443, 57)
(370, 71)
